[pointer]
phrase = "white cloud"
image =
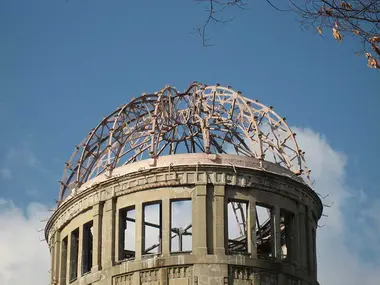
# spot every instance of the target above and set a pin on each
(20, 160)
(339, 258)
(6, 173)
(24, 258)
(340, 243)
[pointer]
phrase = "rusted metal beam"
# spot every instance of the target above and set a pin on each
(169, 122)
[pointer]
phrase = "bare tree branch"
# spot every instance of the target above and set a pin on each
(215, 9)
(357, 18)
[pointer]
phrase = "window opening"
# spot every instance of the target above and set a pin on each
(181, 226)
(152, 228)
(87, 247)
(286, 218)
(64, 261)
(264, 231)
(127, 222)
(237, 226)
(74, 247)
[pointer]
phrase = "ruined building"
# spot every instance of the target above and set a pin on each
(194, 188)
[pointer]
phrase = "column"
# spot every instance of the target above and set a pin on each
(63, 261)
(315, 250)
(251, 228)
(52, 254)
(199, 220)
(310, 246)
(307, 242)
(219, 220)
(139, 238)
(276, 232)
(166, 226)
(108, 234)
(68, 259)
(96, 237)
(301, 237)
(57, 256)
(293, 238)
(164, 276)
(80, 252)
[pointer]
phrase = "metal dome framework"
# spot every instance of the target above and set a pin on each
(208, 119)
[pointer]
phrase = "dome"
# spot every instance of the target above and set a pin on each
(203, 119)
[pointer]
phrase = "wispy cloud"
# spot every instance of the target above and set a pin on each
(24, 258)
(6, 173)
(24, 155)
(341, 258)
(341, 243)
(19, 157)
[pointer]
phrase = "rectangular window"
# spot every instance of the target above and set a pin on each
(181, 226)
(152, 228)
(286, 220)
(63, 261)
(264, 231)
(127, 231)
(87, 247)
(74, 247)
(237, 226)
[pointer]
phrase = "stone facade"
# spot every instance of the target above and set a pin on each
(209, 184)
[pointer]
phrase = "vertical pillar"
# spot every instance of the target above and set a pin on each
(310, 246)
(164, 276)
(315, 261)
(63, 261)
(68, 259)
(57, 255)
(293, 238)
(119, 240)
(301, 237)
(108, 234)
(136, 278)
(276, 232)
(52, 261)
(80, 252)
(199, 220)
(251, 228)
(96, 237)
(139, 238)
(166, 226)
(307, 243)
(219, 220)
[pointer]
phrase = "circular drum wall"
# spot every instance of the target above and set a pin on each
(187, 219)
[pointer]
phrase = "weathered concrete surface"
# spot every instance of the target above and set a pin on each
(209, 182)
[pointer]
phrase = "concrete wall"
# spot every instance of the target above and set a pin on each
(209, 187)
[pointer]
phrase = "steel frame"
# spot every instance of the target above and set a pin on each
(209, 119)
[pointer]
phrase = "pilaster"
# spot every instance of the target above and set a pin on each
(57, 255)
(139, 238)
(277, 232)
(200, 220)
(166, 226)
(108, 234)
(52, 259)
(219, 220)
(251, 228)
(80, 252)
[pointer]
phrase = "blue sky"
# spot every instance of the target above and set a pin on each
(64, 65)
